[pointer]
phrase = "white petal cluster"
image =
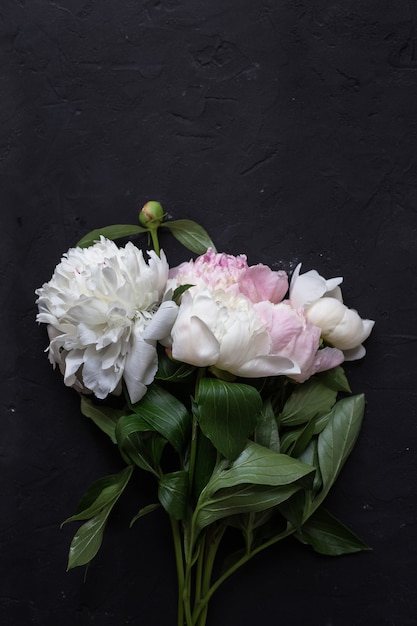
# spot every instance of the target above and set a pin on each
(322, 302)
(104, 314)
(223, 329)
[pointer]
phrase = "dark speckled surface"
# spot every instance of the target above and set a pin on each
(288, 129)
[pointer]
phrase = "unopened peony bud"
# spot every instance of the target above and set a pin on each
(151, 215)
(340, 326)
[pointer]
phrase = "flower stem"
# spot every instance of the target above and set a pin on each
(194, 433)
(201, 561)
(180, 567)
(213, 540)
(201, 609)
(155, 240)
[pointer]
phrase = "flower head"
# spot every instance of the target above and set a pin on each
(322, 303)
(232, 274)
(151, 214)
(234, 318)
(104, 314)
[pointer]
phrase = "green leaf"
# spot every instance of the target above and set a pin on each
(173, 493)
(228, 414)
(336, 441)
(266, 433)
(165, 414)
(95, 506)
(100, 494)
(150, 508)
(310, 457)
(205, 461)
(329, 536)
(296, 440)
(321, 421)
(307, 401)
(104, 417)
(335, 379)
(293, 508)
(139, 441)
(242, 499)
(257, 480)
(110, 232)
(87, 541)
(262, 466)
(249, 522)
(179, 291)
(173, 371)
(191, 235)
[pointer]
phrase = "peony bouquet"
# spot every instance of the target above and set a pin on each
(223, 380)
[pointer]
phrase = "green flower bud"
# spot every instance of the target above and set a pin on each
(151, 215)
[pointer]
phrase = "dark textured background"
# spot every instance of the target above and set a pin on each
(288, 129)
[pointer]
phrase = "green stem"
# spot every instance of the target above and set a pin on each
(155, 240)
(180, 567)
(189, 563)
(194, 433)
(190, 555)
(200, 569)
(248, 532)
(245, 558)
(186, 592)
(212, 545)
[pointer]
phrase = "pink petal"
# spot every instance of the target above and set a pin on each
(259, 283)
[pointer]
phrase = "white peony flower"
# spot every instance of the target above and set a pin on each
(104, 314)
(309, 287)
(233, 317)
(340, 326)
(223, 329)
(322, 302)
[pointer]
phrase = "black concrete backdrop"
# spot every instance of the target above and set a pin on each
(288, 129)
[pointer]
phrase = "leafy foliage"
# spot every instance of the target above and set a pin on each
(105, 417)
(95, 506)
(329, 536)
(190, 234)
(110, 232)
(165, 414)
(259, 455)
(228, 414)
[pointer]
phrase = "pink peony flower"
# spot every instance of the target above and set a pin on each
(232, 273)
(234, 318)
(293, 336)
(223, 329)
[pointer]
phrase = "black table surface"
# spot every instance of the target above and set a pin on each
(288, 130)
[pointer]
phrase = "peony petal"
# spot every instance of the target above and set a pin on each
(110, 355)
(335, 293)
(100, 381)
(327, 314)
(260, 283)
(241, 344)
(140, 367)
(162, 322)
(309, 287)
(350, 331)
(325, 359)
(86, 335)
(367, 328)
(193, 342)
(267, 365)
(355, 353)
(73, 362)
